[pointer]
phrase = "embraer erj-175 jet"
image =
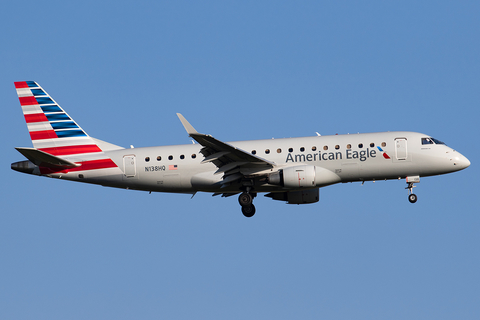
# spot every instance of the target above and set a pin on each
(291, 169)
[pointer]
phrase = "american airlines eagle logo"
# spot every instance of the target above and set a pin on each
(384, 154)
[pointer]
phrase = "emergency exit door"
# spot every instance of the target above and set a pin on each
(401, 148)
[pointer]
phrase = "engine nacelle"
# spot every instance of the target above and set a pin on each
(297, 197)
(304, 176)
(294, 177)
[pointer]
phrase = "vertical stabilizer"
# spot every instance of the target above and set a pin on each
(60, 144)
(51, 129)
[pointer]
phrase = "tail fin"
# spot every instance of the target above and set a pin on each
(51, 128)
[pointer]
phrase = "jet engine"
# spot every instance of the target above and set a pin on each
(304, 176)
(294, 177)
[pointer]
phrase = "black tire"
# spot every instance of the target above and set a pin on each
(412, 198)
(245, 199)
(248, 211)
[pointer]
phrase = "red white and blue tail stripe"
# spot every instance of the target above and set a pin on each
(54, 132)
(51, 128)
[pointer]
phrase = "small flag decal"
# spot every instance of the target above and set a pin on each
(172, 167)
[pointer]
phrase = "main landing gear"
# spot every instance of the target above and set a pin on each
(410, 181)
(246, 201)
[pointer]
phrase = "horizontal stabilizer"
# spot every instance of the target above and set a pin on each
(44, 159)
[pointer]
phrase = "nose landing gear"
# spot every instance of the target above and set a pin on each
(246, 201)
(412, 198)
(410, 181)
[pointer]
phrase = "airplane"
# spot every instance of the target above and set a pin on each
(287, 169)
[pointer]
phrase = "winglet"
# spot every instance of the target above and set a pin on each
(190, 129)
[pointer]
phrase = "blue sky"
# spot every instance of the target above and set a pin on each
(242, 70)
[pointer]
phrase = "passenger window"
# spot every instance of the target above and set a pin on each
(302, 149)
(314, 148)
(325, 148)
(194, 155)
(147, 159)
(372, 145)
(267, 151)
(349, 146)
(384, 144)
(279, 150)
(337, 147)
(290, 149)
(254, 151)
(360, 145)
(170, 157)
(182, 157)
(159, 158)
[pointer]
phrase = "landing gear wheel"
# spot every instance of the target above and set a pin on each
(248, 211)
(245, 199)
(412, 198)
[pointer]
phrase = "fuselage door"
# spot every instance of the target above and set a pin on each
(401, 148)
(129, 166)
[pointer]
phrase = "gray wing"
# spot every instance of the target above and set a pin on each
(232, 161)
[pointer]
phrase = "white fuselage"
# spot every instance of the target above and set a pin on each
(338, 158)
(290, 170)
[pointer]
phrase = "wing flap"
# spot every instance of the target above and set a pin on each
(230, 166)
(232, 178)
(214, 156)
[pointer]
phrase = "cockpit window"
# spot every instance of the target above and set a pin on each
(427, 141)
(437, 141)
(431, 141)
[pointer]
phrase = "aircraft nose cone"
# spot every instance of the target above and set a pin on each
(461, 161)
